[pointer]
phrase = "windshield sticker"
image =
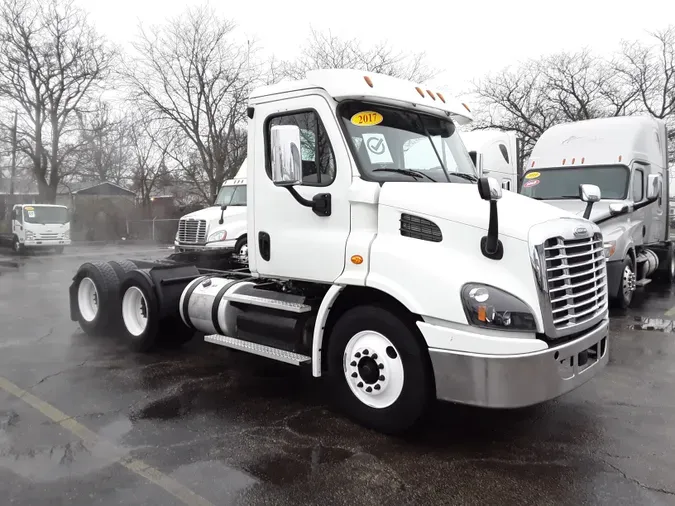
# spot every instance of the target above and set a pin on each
(367, 118)
(376, 146)
(29, 208)
(530, 183)
(532, 175)
(31, 214)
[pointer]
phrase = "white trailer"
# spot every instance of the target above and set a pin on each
(377, 258)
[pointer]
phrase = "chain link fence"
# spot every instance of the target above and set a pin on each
(159, 230)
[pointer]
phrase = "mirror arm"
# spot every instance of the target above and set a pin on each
(222, 211)
(320, 203)
(587, 212)
(490, 245)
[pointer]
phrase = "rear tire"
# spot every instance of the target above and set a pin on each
(379, 369)
(96, 292)
(666, 272)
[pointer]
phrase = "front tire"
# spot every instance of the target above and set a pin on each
(241, 250)
(379, 369)
(626, 284)
(17, 247)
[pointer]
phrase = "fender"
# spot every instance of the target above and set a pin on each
(320, 325)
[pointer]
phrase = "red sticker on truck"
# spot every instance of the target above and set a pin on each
(530, 183)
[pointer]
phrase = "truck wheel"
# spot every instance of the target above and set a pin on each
(96, 293)
(17, 247)
(627, 284)
(666, 271)
(241, 250)
(379, 369)
(140, 314)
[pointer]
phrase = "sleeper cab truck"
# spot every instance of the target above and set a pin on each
(627, 159)
(379, 259)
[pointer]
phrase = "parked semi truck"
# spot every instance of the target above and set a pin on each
(627, 158)
(379, 259)
(496, 153)
(221, 228)
(39, 226)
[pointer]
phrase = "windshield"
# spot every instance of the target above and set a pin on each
(401, 145)
(232, 196)
(563, 183)
(45, 215)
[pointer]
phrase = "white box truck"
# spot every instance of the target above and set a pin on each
(627, 159)
(379, 259)
(39, 226)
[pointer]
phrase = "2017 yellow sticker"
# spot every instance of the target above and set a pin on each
(532, 175)
(29, 208)
(367, 118)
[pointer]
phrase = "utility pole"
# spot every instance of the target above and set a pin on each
(13, 167)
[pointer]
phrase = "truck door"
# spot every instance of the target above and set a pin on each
(17, 221)
(642, 217)
(291, 241)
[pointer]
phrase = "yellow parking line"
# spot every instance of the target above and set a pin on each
(91, 439)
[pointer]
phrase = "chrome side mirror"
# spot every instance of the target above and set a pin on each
(285, 154)
(589, 193)
(489, 189)
(618, 208)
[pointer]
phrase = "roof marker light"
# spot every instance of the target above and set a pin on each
(441, 97)
(564, 160)
(582, 159)
(466, 107)
(619, 157)
(532, 163)
(573, 160)
(419, 90)
(431, 94)
(368, 81)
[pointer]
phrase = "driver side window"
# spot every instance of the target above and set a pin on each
(318, 161)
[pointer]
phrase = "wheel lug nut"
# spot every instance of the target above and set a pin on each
(381, 366)
(377, 387)
(354, 375)
(365, 352)
(357, 355)
(353, 364)
(381, 378)
(374, 355)
(360, 385)
(369, 389)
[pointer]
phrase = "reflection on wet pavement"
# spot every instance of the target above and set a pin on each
(658, 324)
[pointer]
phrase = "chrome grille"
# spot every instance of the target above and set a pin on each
(192, 231)
(576, 281)
(49, 236)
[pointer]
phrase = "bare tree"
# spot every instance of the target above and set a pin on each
(323, 50)
(192, 72)
(51, 63)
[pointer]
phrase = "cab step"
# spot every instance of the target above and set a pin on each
(643, 282)
(283, 305)
(258, 349)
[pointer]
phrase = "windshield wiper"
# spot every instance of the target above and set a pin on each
(408, 172)
(468, 177)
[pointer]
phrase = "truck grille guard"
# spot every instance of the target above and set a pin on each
(571, 275)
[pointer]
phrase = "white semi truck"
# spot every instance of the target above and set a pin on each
(379, 259)
(221, 228)
(495, 153)
(627, 158)
(39, 226)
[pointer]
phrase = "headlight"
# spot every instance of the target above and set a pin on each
(610, 248)
(489, 307)
(66, 234)
(29, 234)
(217, 236)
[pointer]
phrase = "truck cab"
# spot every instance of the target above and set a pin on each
(495, 153)
(380, 259)
(626, 159)
(221, 228)
(40, 226)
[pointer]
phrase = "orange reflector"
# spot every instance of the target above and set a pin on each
(466, 107)
(357, 259)
(582, 159)
(619, 157)
(441, 97)
(532, 163)
(368, 81)
(419, 90)
(482, 313)
(431, 94)
(573, 160)
(564, 159)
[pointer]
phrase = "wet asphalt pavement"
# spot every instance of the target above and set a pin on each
(203, 425)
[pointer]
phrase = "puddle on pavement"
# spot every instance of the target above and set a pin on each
(296, 463)
(655, 324)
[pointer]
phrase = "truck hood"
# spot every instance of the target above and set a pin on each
(213, 213)
(461, 203)
(577, 207)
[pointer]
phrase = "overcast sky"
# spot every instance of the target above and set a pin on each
(464, 39)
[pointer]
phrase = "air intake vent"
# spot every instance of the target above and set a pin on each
(420, 228)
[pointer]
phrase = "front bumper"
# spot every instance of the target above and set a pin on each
(220, 246)
(46, 243)
(513, 381)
